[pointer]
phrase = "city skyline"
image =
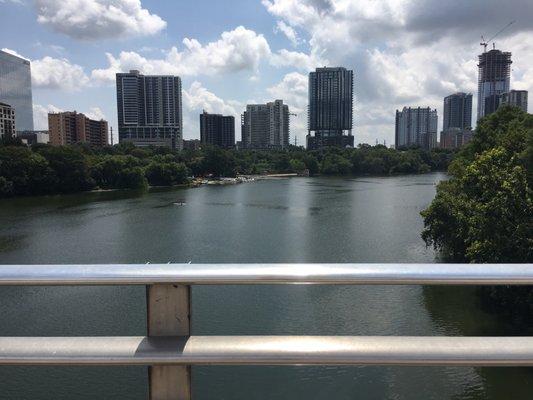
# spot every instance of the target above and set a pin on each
(275, 44)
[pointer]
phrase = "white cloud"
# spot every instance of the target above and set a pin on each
(58, 73)
(292, 89)
(95, 113)
(299, 60)
(13, 53)
(196, 99)
(238, 50)
(40, 115)
(404, 52)
(288, 31)
(98, 19)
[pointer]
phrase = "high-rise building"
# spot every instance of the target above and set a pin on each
(454, 138)
(516, 98)
(7, 121)
(457, 111)
(217, 130)
(330, 116)
(15, 88)
(416, 127)
(266, 126)
(71, 127)
(149, 109)
(494, 80)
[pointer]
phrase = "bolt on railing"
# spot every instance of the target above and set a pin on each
(170, 350)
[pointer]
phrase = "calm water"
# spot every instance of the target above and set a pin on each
(290, 220)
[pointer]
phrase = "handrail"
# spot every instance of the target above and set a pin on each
(268, 350)
(170, 350)
(236, 274)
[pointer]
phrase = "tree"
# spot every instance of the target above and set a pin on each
(166, 173)
(484, 213)
(24, 172)
(70, 167)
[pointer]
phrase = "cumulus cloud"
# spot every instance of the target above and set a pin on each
(293, 90)
(95, 113)
(288, 31)
(40, 115)
(298, 60)
(98, 19)
(58, 73)
(238, 50)
(404, 52)
(196, 99)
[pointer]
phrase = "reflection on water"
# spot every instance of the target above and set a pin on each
(286, 220)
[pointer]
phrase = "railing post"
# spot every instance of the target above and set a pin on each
(168, 309)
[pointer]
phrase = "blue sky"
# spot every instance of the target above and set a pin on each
(229, 53)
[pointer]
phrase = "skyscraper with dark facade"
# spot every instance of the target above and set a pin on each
(457, 111)
(416, 127)
(515, 98)
(15, 89)
(149, 109)
(494, 80)
(330, 118)
(217, 130)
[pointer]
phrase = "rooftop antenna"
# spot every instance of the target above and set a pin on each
(485, 43)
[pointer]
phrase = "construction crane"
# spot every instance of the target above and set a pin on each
(485, 43)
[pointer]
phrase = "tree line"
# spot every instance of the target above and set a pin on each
(44, 169)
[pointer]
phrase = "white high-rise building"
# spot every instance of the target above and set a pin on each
(416, 127)
(266, 126)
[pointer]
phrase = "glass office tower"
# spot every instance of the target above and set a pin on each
(15, 89)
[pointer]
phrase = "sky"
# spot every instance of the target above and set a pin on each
(230, 53)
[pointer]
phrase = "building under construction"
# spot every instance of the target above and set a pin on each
(494, 80)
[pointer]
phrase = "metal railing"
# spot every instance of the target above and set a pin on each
(169, 350)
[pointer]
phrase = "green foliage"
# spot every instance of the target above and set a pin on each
(484, 213)
(166, 173)
(43, 169)
(70, 167)
(24, 172)
(119, 172)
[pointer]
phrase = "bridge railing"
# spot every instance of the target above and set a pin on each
(169, 350)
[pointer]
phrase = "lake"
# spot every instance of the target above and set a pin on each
(297, 220)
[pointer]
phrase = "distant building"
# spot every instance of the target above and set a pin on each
(330, 108)
(217, 130)
(494, 80)
(416, 127)
(266, 126)
(149, 109)
(15, 88)
(516, 98)
(72, 127)
(457, 111)
(33, 137)
(457, 124)
(454, 138)
(7, 121)
(193, 144)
